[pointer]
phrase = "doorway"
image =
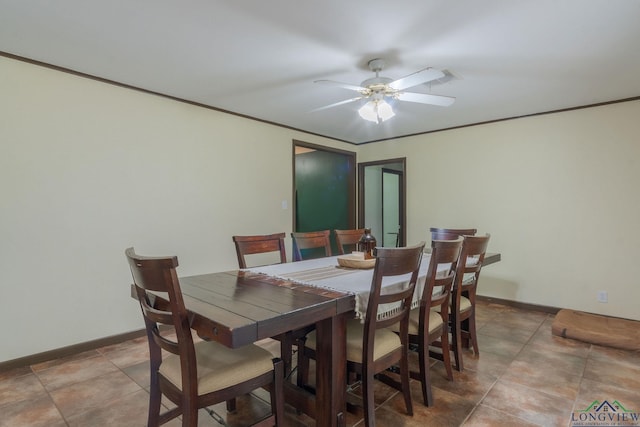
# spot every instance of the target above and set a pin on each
(323, 189)
(381, 200)
(391, 207)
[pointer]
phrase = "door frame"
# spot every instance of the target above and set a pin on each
(351, 183)
(400, 174)
(402, 238)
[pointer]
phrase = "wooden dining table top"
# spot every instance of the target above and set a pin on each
(237, 308)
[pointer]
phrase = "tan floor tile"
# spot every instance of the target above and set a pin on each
(249, 410)
(498, 345)
(546, 378)
(553, 361)
(386, 416)
(495, 309)
(55, 362)
(544, 340)
(487, 363)
(611, 371)
(506, 331)
(127, 353)
(628, 358)
(449, 409)
(293, 419)
(17, 372)
(93, 393)
(484, 416)
(35, 412)
(139, 373)
(529, 404)
(20, 388)
(525, 319)
(128, 410)
(74, 371)
(381, 392)
(470, 384)
(517, 320)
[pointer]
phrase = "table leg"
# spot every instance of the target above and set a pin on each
(331, 371)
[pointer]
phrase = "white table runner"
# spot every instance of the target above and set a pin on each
(326, 273)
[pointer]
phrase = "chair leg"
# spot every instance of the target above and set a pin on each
(425, 377)
(155, 396)
(472, 333)
(190, 414)
(464, 331)
(231, 406)
(286, 351)
(277, 391)
(303, 364)
(446, 353)
(368, 399)
(404, 378)
(456, 344)
(154, 401)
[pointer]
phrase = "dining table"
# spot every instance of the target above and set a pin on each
(241, 307)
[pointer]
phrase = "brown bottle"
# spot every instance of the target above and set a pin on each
(367, 244)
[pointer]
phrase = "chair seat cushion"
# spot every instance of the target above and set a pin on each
(435, 321)
(386, 341)
(220, 366)
(465, 304)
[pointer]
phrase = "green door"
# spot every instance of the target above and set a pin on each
(324, 189)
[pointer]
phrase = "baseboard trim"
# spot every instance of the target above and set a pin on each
(522, 305)
(69, 350)
(116, 339)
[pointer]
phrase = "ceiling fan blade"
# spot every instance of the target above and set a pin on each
(423, 98)
(342, 85)
(416, 78)
(346, 101)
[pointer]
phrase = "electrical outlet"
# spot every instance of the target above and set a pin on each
(602, 296)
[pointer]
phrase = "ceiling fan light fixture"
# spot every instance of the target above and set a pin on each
(376, 111)
(378, 90)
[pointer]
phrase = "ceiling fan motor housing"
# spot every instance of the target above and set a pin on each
(376, 65)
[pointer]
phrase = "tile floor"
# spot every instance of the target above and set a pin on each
(524, 376)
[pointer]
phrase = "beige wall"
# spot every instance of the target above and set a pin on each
(88, 169)
(557, 193)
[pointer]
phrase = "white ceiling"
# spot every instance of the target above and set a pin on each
(260, 58)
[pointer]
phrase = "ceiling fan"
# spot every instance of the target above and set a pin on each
(381, 89)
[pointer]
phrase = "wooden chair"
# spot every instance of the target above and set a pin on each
(451, 233)
(260, 244)
(372, 347)
(197, 375)
(348, 238)
(429, 323)
(463, 300)
(310, 240)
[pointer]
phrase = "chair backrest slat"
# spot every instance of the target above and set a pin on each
(258, 244)
(348, 238)
(310, 240)
(451, 233)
